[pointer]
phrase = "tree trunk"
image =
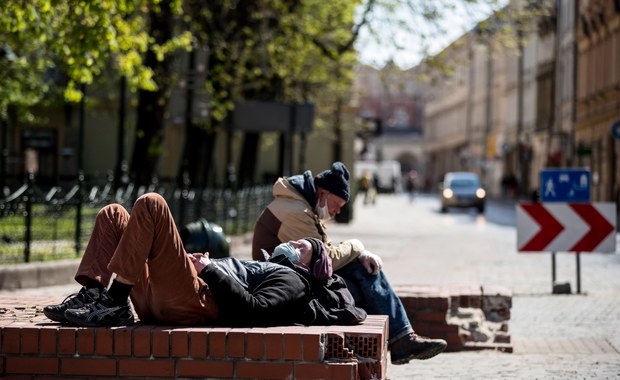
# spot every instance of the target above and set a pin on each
(198, 158)
(152, 104)
(249, 158)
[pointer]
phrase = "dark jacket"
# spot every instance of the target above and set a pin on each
(273, 293)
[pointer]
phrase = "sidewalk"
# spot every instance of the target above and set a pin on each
(554, 336)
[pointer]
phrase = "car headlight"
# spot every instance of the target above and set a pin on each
(480, 193)
(447, 193)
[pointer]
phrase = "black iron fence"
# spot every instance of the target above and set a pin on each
(54, 224)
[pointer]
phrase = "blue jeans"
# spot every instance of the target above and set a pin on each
(374, 294)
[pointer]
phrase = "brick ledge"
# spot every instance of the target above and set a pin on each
(32, 345)
(467, 316)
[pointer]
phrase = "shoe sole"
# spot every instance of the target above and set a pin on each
(82, 323)
(422, 356)
(54, 317)
(59, 317)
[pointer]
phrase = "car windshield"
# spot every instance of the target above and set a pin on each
(463, 183)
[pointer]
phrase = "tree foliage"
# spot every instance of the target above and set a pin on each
(278, 50)
(272, 50)
(51, 44)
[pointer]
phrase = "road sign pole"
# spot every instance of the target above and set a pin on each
(566, 227)
(578, 273)
(552, 271)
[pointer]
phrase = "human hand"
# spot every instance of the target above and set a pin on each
(370, 261)
(200, 260)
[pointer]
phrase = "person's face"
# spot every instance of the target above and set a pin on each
(305, 251)
(334, 202)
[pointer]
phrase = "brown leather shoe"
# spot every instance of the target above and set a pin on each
(414, 346)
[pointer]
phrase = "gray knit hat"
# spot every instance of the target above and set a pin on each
(335, 180)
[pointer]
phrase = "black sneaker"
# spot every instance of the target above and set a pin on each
(101, 313)
(414, 346)
(74, 301)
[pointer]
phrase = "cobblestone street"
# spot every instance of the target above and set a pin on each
(575, 336)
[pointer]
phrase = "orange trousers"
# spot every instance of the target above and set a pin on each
(145, 248)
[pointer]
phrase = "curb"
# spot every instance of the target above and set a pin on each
(36, 275)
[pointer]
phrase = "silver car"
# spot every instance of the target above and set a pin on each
(462, 189)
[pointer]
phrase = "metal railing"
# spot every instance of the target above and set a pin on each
(38, 225)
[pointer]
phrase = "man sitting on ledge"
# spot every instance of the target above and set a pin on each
(301, 205)
(169, 286)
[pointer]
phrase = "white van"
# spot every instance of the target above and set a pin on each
(387, 172)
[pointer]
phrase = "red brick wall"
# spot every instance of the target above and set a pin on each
(456, 313)
(31, 349)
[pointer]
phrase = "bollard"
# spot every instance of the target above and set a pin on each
(203, 236)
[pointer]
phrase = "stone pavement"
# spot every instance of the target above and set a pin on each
(574, 336)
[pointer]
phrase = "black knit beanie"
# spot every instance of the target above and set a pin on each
(335, 180)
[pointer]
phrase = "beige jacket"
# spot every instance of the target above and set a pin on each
(290, 217)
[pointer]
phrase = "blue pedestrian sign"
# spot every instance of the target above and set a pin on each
(565, 185)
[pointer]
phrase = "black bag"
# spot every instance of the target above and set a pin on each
(203, 236)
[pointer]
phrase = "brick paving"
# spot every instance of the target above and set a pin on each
(574, 336)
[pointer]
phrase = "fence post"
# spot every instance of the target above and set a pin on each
(28, 232)
(252, 206)
(182, 197)
(78, 214)
(236, 206)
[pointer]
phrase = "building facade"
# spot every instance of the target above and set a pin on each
(597, 100)
(388, 103)
(65, 141)
(550, 102)
(485, 116)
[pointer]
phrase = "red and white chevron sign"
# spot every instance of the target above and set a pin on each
(566, 227)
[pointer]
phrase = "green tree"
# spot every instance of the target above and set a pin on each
(74, 41)
(50, 48)
(267, 50)
(153, 102)
(280, 50)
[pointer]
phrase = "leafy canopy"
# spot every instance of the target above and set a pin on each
(45, 43)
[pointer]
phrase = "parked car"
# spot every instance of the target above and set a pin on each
(462, 189)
